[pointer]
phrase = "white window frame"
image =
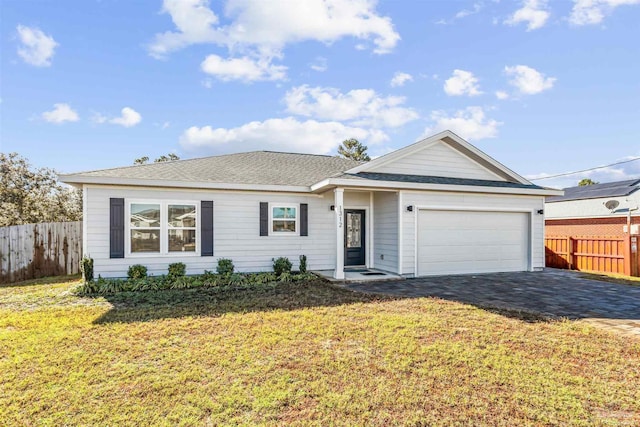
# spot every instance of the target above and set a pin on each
(164, 228)
(295, 206)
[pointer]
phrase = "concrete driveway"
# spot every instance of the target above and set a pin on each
(552, 293)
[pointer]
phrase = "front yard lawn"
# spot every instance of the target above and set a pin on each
(301, 353)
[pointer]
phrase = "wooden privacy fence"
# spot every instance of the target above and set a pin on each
(602, 254)
(31, 251)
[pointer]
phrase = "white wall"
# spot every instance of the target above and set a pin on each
(438, 160)
(236, 231)
(443, 199)
(385, 229)
(591, 207)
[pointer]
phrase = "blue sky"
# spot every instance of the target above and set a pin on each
(544, 87)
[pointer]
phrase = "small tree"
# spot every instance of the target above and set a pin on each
(353, 149)
(587, 181)
(145, 159)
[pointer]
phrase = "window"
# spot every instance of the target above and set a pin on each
(163, 227)
(284, 219)
(182, 228)
(145, 227)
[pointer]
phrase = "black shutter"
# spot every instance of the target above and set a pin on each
(264, 218)
(206, 228)
(116, 228)
(304, 219)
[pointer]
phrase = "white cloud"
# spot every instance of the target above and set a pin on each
(361, 107)
(36, 47)
(462, 83)
(266, 27)
(477, 7)
(400, 78)
(319, 65)
(129, 118)
(621, 172)
(589, 12)
(165, 125)
(286, 134)
(527, 80)
(533, 12)
(502, 95)
(244, 69)
(61, 113)
(470, 123)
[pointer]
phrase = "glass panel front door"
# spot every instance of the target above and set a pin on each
(354, 233)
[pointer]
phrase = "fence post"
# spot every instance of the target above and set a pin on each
(627, 254)
(570, 252)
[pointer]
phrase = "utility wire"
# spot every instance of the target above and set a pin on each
(585, 170)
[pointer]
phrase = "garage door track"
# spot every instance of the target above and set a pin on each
(551, 293)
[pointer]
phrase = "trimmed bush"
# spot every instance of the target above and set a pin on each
(86, 266)
(137, 271)
(281, 265)
(303, 264)
(225, 267)
(176, 270)
(221, 283)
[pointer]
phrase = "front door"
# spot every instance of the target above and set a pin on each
(354, 237)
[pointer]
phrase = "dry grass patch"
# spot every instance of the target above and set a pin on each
(301, 354)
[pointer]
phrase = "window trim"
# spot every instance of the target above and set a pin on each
(295, 206)
(164, 228)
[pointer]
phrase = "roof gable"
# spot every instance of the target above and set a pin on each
(444, 154)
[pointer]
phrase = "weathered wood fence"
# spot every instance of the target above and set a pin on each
(602, 254)
(31, 251)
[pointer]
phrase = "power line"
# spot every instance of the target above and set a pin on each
(586, 170)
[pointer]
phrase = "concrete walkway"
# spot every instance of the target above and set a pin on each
(553, 293)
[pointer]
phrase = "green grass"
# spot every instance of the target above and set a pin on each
(303, 353)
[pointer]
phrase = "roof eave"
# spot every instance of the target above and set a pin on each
(83, 179)
(329, 183)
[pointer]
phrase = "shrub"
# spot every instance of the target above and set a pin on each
(303, 264)
(137, 271)
(225, 267)
(285, 277)
(86, 266)
(177, 269)
(281, 265)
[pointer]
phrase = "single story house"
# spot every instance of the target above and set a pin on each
(583, 211)
(439, 206)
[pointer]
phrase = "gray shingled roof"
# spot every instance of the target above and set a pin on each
(597, 191)
(421, 179)
(255, 167)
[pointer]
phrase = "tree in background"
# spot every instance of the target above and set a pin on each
(29, 195)
(587, 181)
(168, 158)
(353, 149)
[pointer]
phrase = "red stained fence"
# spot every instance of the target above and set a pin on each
(602, 254)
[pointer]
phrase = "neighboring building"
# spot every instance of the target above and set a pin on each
(439, 206)
(581, 211)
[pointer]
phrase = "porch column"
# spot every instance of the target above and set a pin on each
(339, 210)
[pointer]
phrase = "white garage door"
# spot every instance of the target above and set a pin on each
(459, 242)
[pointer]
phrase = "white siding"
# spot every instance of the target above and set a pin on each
(236, 231)
(438, 159)
(385, 250)
(355, 199)
(445, 199)
(591, 207)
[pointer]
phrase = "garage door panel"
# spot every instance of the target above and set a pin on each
(459, 242)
